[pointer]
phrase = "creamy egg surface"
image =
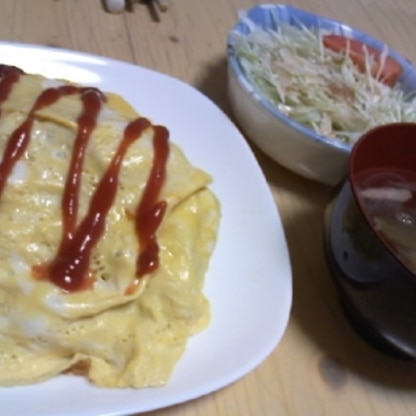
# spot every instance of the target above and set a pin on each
(115, 324)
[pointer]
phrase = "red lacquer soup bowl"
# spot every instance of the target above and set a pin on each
(370, 234)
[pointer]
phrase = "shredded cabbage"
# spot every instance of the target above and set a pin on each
(317, 87)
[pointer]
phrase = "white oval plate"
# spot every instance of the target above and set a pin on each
(249, 282)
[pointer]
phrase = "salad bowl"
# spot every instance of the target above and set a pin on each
(278, 128)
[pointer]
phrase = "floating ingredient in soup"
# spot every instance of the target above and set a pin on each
(391, 193)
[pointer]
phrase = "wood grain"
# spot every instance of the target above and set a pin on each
(321, 367)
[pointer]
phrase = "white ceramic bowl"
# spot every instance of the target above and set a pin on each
(288, 142)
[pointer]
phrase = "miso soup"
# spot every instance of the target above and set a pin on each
(388, 202)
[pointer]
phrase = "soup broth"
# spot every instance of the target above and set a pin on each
(388, 201)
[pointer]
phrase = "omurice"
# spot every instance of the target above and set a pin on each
(107, 231)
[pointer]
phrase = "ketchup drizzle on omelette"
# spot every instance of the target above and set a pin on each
(9, 75)
(92, 100)
(70, 269)
(150, 211)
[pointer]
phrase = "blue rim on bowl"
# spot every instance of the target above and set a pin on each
(269, 16)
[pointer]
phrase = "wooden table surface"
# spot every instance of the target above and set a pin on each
(321, 366)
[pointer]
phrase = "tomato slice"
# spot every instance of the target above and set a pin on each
(388, 73)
